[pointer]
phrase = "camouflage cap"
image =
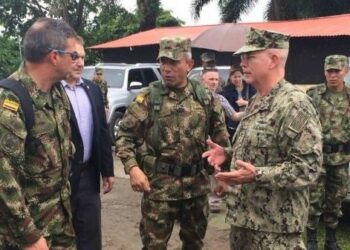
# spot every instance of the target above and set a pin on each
(208, 57)
(173, 47)
(98, 69)
(263, 39)
(335, 62)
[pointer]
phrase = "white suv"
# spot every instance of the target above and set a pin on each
(124, 82)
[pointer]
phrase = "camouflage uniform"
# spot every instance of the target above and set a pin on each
(280, 135)
(103, 86)
(34, 183)
(178, 137)
(330, 190)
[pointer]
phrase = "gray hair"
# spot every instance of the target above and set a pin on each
(188, 55)
(282, 55)
(46, 33)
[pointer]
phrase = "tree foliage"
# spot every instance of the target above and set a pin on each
(97, 21)
(148, 11)
(10, 56)
(165, 19)
(231, 10)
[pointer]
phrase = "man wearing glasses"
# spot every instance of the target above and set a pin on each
(93, 155)
(35, 210)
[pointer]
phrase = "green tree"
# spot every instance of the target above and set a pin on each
(17, 15)
(231, 10)
(96, 21)
(147, 12)
(10, 56)
(165, 19)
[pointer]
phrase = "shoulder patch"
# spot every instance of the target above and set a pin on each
(299, 121)
(11, 105)
(140, 98)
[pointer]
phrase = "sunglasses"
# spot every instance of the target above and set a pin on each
(74, 55)
(99, 74)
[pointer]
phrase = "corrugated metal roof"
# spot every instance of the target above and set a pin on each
(314, 27)
(338, 25)
(153, 36)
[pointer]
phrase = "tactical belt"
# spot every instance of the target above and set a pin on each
(335, 148)
(178, 170)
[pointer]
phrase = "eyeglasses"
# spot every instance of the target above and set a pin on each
(74, 55)
(99, 74)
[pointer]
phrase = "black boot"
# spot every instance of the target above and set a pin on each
(331, 241)
(311, 239)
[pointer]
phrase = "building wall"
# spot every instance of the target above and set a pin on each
(306, 57)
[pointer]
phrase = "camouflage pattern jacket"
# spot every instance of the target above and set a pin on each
(280, 135)
(182, 131)
(334, 114)
(104, 89)
(33, 179)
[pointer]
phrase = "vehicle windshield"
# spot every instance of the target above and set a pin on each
(114, 77)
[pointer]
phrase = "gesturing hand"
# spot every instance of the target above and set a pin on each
(245, 173)
(215, 155)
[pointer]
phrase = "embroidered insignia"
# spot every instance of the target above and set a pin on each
(11, 105)
(298, 123)
(140, 98)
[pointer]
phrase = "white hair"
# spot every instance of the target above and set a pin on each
(282, 54)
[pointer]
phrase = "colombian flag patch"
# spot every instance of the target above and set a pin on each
(11, 105)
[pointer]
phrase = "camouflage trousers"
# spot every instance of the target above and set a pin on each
(327, 194)
(158, 218)
(246, 239)
(61, 238)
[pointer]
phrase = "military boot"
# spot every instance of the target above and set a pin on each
(331, 241)
(311, 239)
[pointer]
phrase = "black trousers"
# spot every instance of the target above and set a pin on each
(86, 210)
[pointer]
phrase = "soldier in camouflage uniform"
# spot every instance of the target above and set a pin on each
(34, 166)
(208, 62)
(277, 153)
(332, 101)
(171, 120)
(98, 79)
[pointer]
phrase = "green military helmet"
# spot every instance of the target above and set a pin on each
(262, 39)
(335, 62)
(174, 47)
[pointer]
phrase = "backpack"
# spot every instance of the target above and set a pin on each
(25, 100)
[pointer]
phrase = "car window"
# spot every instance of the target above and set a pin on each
(114, 77)
(194, 72)
(149, 76)
(135, 75)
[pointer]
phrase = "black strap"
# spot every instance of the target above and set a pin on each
(26, 101)
(178, 170)
(335, 148)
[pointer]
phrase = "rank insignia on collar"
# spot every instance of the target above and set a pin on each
(11, 105)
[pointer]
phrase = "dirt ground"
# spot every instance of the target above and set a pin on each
(121, 215)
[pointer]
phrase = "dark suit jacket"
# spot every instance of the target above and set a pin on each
(101, 151)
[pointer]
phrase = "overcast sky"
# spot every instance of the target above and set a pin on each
(209, 15)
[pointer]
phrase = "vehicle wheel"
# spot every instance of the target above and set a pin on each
(114, 125)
